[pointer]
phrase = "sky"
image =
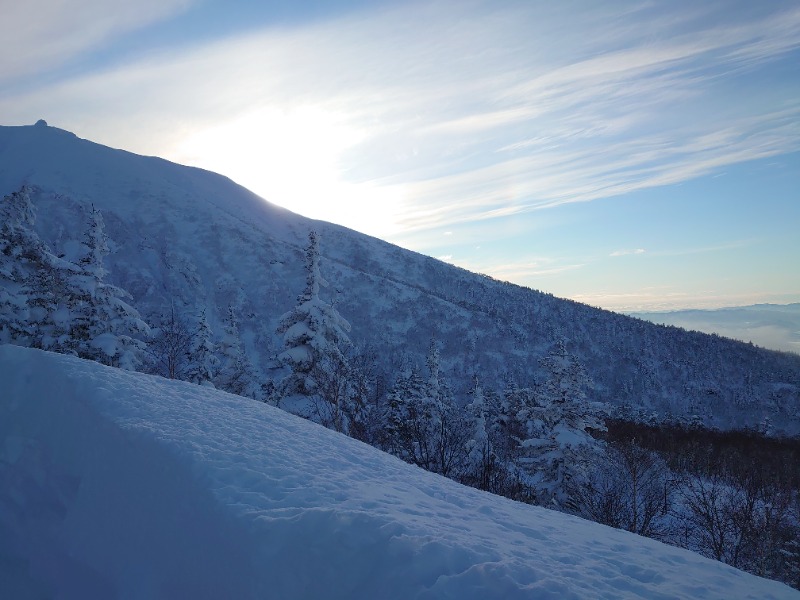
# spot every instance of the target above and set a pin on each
(630, 155)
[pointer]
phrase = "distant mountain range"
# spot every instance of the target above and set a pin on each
(193, 239)
(775, 326)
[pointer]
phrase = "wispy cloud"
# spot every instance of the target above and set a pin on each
(452, 112)
(706, 249)
(41, 35)
(627, 252)
(523, 270)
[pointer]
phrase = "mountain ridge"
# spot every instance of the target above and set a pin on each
(186, 235)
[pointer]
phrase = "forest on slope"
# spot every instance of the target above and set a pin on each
(145, 265)
(193, 240)
(201, 494)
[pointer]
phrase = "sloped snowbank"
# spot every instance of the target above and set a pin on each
(121, 485)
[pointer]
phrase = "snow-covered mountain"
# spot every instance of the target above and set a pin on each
(122, 485)
(187, 237)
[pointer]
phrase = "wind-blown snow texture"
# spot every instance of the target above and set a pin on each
(193, 239)
(122, 485)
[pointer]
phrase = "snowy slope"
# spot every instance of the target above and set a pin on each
(123, 485)
(196, 239)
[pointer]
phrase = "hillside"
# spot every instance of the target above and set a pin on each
(123, 485)
(191, 238)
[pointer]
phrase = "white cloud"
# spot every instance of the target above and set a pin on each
(42, 34)
(436, 114)
(526, 270)
(627, 252)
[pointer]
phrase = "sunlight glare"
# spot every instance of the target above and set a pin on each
(292, 158)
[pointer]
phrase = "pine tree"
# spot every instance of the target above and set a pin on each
(481, 458)
(52, 303)
(424, 425)
(567, 380)
(105, 327)
(558, 444)
(236, 372)
(202, 360)
(314, 335)
(365, 409)
(22, 255)
(448, 428)
(39, 292)
(512, 419)
(407, 419)
(433, 362)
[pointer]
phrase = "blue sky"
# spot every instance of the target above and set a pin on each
(632, 155)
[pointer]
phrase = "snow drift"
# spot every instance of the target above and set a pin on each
(122, 485)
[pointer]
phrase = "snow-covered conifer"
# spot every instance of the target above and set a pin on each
(558, 445)
(202, 360)
(433, 361)
(314, 333)
(544, 432)
(96, 244)
(480, 454)
(406, 417)
(107, 328)
(424, 425)
(236, 372)
(567, 380)
(39, 291)
(21, 255)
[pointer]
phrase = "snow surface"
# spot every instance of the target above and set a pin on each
(121, 485)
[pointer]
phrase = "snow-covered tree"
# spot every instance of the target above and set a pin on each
(22, 255)
(103, 324)
(433, 361)
(425, 427)
(449, 428)
(481, 458)
(314, 334)
(557, 446)
(511, 420)
(235, 373)
(407, 418)
(366, 400)
(52, 303)
(202, 361)
(168, 349)
(567, 380)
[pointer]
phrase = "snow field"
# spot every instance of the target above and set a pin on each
(121, 485)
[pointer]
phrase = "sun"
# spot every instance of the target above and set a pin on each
(292, 158)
